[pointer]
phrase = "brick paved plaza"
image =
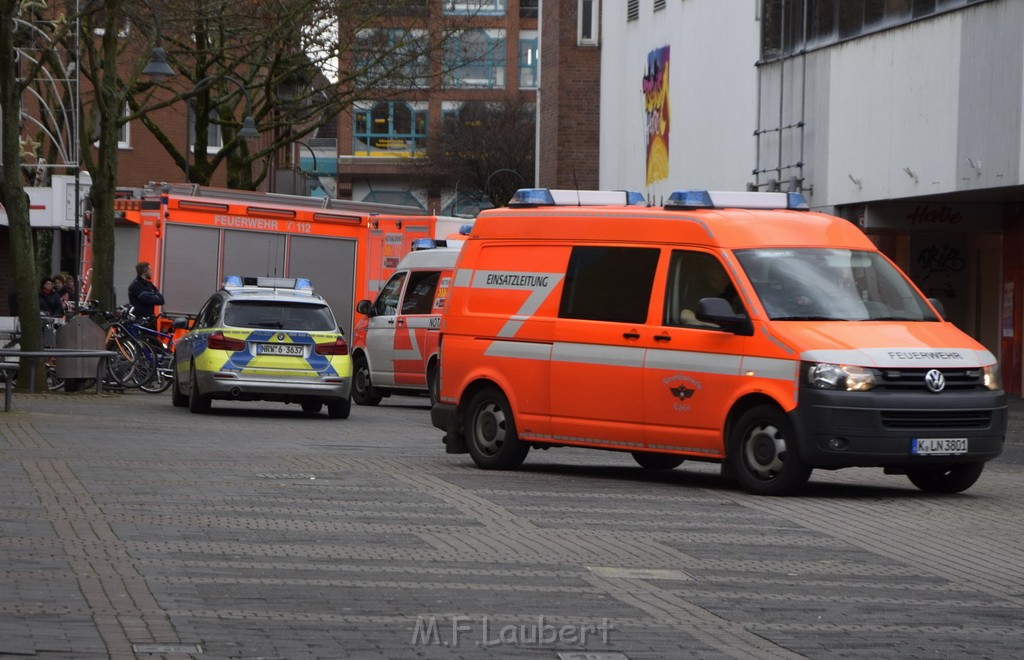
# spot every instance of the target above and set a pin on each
(132, 529)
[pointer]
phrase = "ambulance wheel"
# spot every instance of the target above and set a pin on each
(650, 461)
(363, 392)
(763, 453)
(197, 403)
(339, 409)
(946, 480)
(178, 399)
(433, 385)
(312, 407)
(491, 432)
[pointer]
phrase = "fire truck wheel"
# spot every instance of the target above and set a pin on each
(491, 432)
(946, 480)
(763, 453)
(363, 392)
(197, 403)
(178, 399)
(651, 461)
(339, 409)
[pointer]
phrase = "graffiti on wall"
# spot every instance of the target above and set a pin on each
(940, 266)
(656, 112)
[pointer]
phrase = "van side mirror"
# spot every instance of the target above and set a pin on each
(719, 311)
(365, 308)
(937, 304)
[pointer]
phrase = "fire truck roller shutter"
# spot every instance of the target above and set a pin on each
(330, 264)
(254, 253)
(189, 268)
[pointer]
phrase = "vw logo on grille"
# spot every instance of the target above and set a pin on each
(935, 381)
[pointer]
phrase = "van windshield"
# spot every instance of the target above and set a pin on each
(832, 285)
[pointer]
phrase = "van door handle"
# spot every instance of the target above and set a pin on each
(400, 321)
(631, 335)
(662, 337)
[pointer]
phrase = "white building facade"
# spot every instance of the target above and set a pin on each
(903, 116)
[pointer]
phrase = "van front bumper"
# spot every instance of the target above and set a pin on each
(877, 429)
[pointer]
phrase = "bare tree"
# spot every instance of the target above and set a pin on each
(487, 150)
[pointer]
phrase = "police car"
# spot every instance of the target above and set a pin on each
(264, 339)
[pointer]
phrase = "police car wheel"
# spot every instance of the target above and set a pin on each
(651, 461)
(363, 392)
(763, 453)
(948, 479)
(178, 399)
(491, 432)
(197, 402)
(339, 409)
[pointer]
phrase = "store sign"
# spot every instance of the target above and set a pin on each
(934, 216)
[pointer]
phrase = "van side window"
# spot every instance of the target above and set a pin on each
(692, 276)
(419, 295)
(606, 283)
(386, 303)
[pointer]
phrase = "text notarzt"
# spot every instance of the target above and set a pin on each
(433, 631)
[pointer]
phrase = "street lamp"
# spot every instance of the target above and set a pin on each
(312, 178)
(487, 183)
(248, 129)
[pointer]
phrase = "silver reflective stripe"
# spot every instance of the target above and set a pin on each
(896, 357)
(540, 286)
(421, 321)
(463, 277)
(519, 349)
(543, 437)
(770, 368)
(620, 356)
(711, 363)
(775, 340)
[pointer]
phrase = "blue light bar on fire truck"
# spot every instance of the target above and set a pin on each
(685, 200)
(528, 197)
(297, 284)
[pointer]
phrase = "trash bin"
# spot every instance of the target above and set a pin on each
(80, 333)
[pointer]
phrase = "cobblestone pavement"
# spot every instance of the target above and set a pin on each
(132, 529)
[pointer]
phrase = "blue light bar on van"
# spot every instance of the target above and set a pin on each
(423, 244)
(526, 197)
(466, 229)
(682, 200)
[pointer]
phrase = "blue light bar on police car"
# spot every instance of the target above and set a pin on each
(299, 284)
(682, 200)
(525, 197)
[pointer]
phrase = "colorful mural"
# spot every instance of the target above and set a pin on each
(657, 113)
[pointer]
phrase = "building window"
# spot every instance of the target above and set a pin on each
(475, 7)
(389, 129)
(790, 26)
(392, 58)
(529, 8)
(475, 58)
(528, 59)
(214, 137)
(659, 5)
(632, 10)
(124, 132)
(587, 18)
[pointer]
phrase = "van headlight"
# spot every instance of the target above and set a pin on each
(991, 378)
(826, 376)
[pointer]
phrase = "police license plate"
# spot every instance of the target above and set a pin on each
(279, 349)
(938, 446)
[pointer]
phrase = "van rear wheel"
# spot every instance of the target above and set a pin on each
(650, 461)
(763, 453)
(491, 432)
(947, 480)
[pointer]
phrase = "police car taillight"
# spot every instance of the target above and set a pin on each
(219, 342)
(337, 347)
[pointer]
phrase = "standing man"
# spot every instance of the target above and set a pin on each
(142, 293)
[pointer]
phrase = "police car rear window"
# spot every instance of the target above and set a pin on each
(279, 315)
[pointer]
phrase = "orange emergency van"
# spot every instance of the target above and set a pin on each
(732, 327)
(394, 346)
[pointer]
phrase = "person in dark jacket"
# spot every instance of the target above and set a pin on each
(49, 300)
(142, 293)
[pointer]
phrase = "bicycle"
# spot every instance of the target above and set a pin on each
(158, 349)
(133, 364)
(49, 327)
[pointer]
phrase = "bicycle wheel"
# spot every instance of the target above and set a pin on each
(132, 365)
(160, 379)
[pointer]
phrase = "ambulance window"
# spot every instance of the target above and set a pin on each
(609, 283)
(387, 301)
(419, 295)
(692, 276)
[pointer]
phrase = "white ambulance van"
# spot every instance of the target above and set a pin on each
(731, 327)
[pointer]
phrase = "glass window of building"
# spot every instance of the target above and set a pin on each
(587, 19)
(475, 58)
(528, 59)
(389, 129)
(475, 7)
(392, 58)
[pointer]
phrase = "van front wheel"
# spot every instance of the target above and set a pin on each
(946, 480)
(763, 453)
(491, 432)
